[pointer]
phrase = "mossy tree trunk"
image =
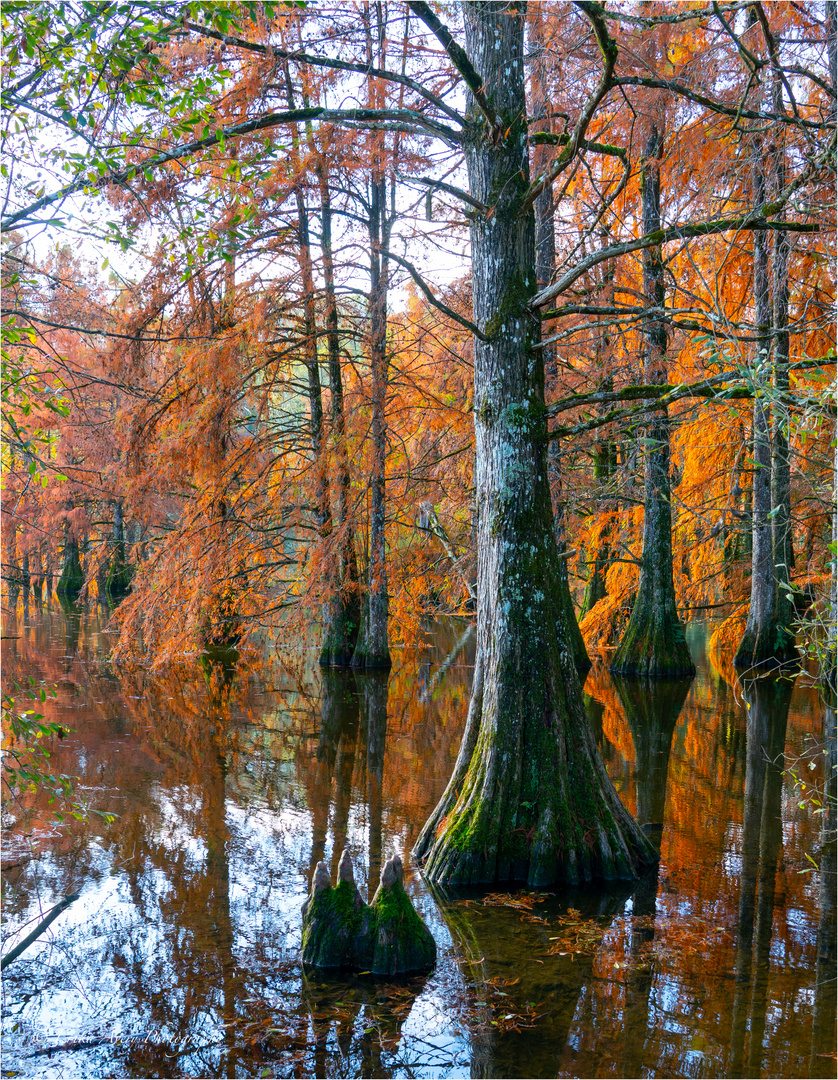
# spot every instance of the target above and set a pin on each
(653, 644)
(545, 264)
(766, 642)
(119, 573)
(372, 649)
(529, 798)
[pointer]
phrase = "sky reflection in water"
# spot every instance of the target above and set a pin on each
(181, 958)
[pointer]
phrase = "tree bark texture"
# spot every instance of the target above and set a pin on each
(765, 643)
(529, 799)
(653, 644)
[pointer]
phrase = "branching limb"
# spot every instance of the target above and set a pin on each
(458, 58)
(327, 62)
(389, 119)
(608, 47)
(756, 219)
(429, 296)
(716, 106)
(439, 185)
(658, 396)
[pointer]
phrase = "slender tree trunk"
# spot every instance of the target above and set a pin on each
(605, 465)
(529, 798)
(653, 644)
(118, 578)
(311, 359)
(605, 459)
(343, 607)
(765, 643)
(780, 465)
(11, 573)
(545, 264)
(829, 655)
(372, 649)
(372, 695)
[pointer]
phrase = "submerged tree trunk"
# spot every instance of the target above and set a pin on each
(119, 573)
(652, 715)
(653, 644)
(545, 263)
(766, 643)
(529, 799)
(71, 581)
(768, 707)
(372, 649)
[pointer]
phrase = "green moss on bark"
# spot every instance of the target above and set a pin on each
(386, 937)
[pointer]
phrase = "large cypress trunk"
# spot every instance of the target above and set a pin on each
(530, 798)
(653, 644)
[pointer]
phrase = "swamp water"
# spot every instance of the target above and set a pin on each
(181, 955)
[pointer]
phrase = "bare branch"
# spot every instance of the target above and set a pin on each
(608, 47)
(429, 296)
(389, 118)
(457, 56)
(328, 62)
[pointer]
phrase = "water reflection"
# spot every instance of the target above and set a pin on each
(652, 719)
(768, 702)
(182, 955)
(525, 991)
(822, 1060)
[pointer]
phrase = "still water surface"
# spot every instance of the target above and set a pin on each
(181, 956)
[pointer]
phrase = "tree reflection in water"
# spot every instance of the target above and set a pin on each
(652, 713)
(768, 701)
(822, 1060)
(182, 955)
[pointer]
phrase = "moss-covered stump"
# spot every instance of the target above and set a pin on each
(401, 941)
(336, 921)
(386, 937)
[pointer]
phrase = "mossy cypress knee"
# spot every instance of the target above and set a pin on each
(386, 937)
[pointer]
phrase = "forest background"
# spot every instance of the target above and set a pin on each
(232, 433)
